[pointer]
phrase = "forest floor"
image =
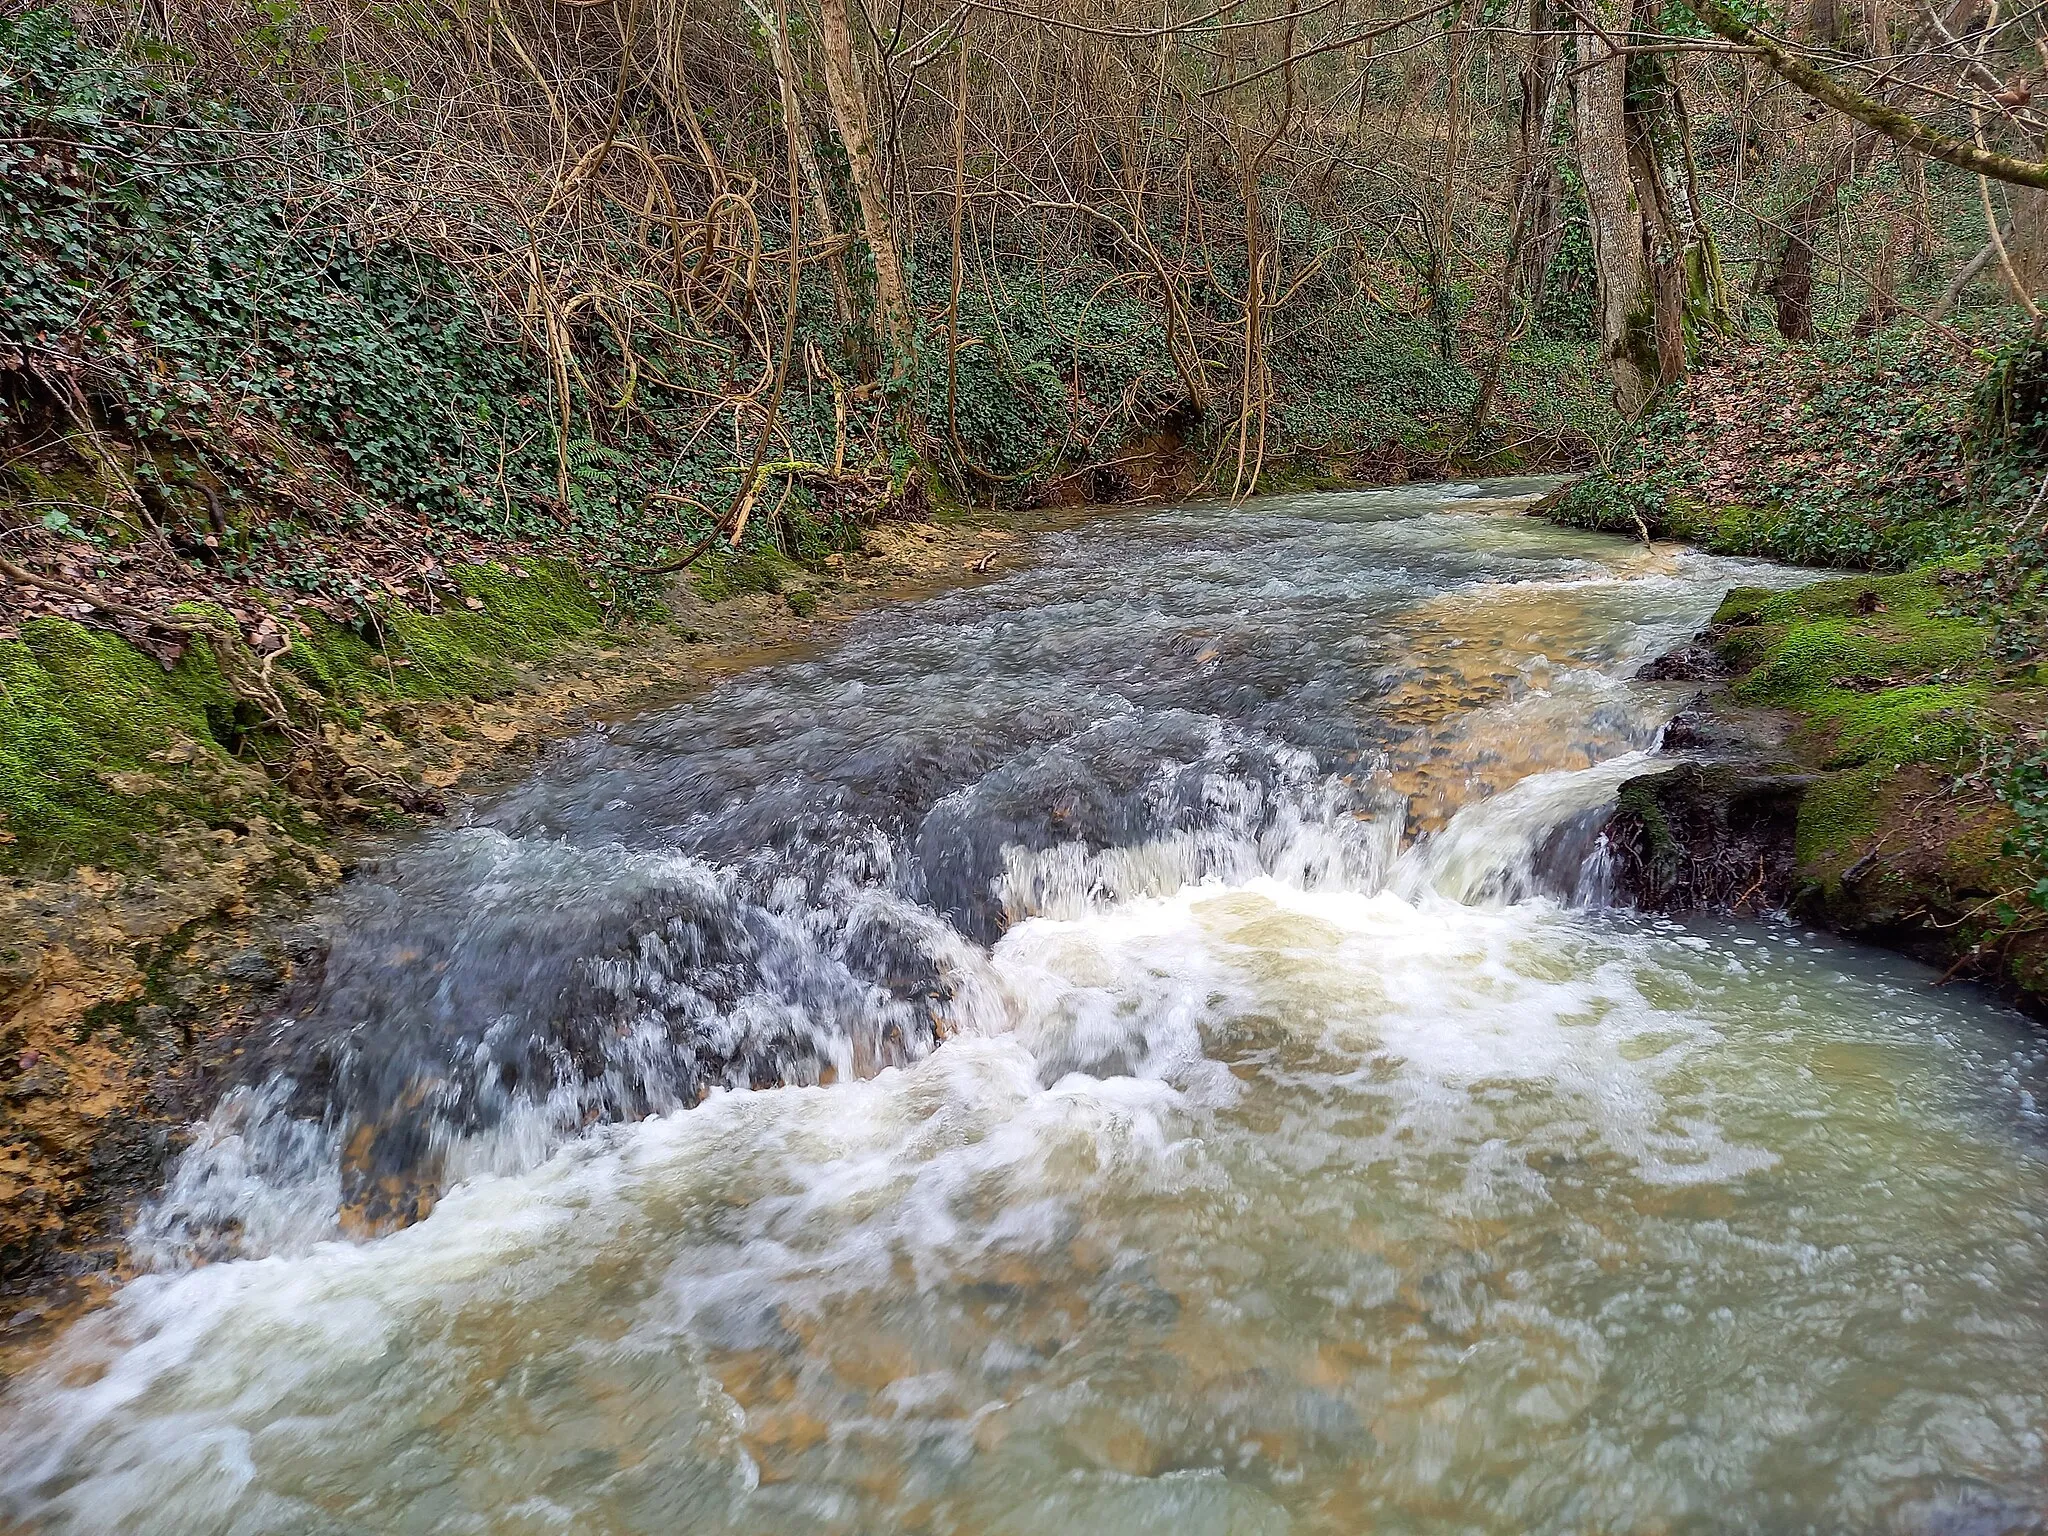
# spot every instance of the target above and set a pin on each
(127, 987)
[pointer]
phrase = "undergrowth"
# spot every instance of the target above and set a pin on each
(1872, 454)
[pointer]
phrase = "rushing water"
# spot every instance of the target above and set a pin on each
(1214, 1098)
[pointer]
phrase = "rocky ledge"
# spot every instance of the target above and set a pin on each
(1851, 759)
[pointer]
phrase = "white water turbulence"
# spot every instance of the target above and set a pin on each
(1135, 1047)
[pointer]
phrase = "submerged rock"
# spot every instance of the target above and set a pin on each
(1696, 661)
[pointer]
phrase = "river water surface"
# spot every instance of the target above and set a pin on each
(1202, 1089)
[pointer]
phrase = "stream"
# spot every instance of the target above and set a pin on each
(1142, 1045)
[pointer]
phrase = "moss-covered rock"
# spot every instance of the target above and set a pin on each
(467, 652)
(1872, 805)
(1880, 670)
(101, 745)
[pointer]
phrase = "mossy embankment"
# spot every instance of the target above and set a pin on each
(164, 831)
(104, 748)
(1858, 762)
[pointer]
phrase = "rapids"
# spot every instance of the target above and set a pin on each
(1141, 1045)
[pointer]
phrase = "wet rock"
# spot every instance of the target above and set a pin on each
(1696, 661)
(250, 968)
(303, 944)
(1970, 1511)
(1712, 836)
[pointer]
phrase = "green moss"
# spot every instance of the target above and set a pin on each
(1742, 605)
(1297, 476)
(70, 487)
(340, 664)
(1917, 724)
(727, 573)
(1735, 530)
(1846, 633)
(462, 652)
(1836, 815)
(1727, 530)
(1639, 804)
(1880, 673)
(78, 707)
(948, 507)
(1823, 653)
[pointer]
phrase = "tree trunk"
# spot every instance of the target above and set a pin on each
(1540, 199)
(1533, 205)
(1791, 286)
(1689, 294)
(1882, 305)
(1622, 292)
(847, 96)
(820, 204)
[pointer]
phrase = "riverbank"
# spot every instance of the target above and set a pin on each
(1855, 753)
(1872, 744)
(127, 984)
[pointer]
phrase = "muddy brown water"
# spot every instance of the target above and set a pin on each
(1216, 1096)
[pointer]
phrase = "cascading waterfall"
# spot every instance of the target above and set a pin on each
(1201, 1087)
(679, 977)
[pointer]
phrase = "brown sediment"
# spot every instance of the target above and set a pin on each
(126, 997)
(1473, 652)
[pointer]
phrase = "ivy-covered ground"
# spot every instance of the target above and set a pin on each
(1872, 454)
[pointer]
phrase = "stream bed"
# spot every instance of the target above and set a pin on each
(1141, 1045)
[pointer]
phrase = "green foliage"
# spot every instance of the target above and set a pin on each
(1571, 280)
(1354, 375)
(2025, 791)
(1045, 373)
(163, 247)
(2011, 405)
(142, 238)
(2011, 421)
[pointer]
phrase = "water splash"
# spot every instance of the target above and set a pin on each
(1238, 1119)
(796, 881)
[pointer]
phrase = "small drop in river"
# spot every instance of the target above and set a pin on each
(1141, 1045)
